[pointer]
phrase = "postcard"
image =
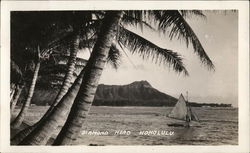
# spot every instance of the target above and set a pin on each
(125, 76)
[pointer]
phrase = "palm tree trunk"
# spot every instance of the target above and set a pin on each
(66, 84)
(69, 75)
(12, 90)
(41, 134)
(16, 97)
(19, 119)
(94, 68)
(67, 79)
(21, 135)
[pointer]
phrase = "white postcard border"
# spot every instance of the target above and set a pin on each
(243, 67)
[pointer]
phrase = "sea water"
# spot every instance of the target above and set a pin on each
(148, 126)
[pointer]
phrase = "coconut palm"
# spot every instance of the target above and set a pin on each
(113, 59)
(16, 96)
(17, 74)
(66, 83)
(85, 96)
(20, 117)
(17, 82)
(23, 76)
(20, 76)
(141, 46)
(77, 32)
(22, 43)
(109, 29)
(55, 71)
(43, 33)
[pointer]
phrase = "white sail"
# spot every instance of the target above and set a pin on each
(180, 110)
(194, 117)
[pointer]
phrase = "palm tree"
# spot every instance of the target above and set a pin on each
(43, 33)
(17, 74)
(16, 96)
(140, 45)
(113, 59)
(65, 22)
(74, 47)
(109, 29)
(83, 101)
(22, 43)
(20, 117)
(17, 82)
(77, 32)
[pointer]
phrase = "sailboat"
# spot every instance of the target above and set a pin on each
(182, 113)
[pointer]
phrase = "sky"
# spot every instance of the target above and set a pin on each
(218, 33)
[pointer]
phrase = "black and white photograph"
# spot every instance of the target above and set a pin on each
(155, 76)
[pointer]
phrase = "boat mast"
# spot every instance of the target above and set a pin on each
(188, 110)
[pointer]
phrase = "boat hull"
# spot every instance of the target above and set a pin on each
(178, 125)
(175, 123)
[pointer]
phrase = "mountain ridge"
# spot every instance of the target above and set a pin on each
(137, 93)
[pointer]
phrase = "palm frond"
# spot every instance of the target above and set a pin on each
(191, 13)
(87, 43)
(89, 34)
(146, 49)
(59, 45)
(79, 61)
(141, 18)
(49, 81)
(140, 15)
(130, 20)
(179, 28)
(114, 56)
(53, 69)
(78, 68)
(16, 73)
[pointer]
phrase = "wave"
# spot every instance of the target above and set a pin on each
(223, 121)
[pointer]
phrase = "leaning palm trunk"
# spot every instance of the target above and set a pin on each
(91, 78)
(16, 97)
(12, 90)
(19, 119)
(41, 134)
(66, 84)
(69, 75)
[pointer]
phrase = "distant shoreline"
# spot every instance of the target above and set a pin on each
(212, 105)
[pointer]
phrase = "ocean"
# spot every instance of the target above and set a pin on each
(148, 126)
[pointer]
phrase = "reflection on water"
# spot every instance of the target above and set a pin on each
(185, 132)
